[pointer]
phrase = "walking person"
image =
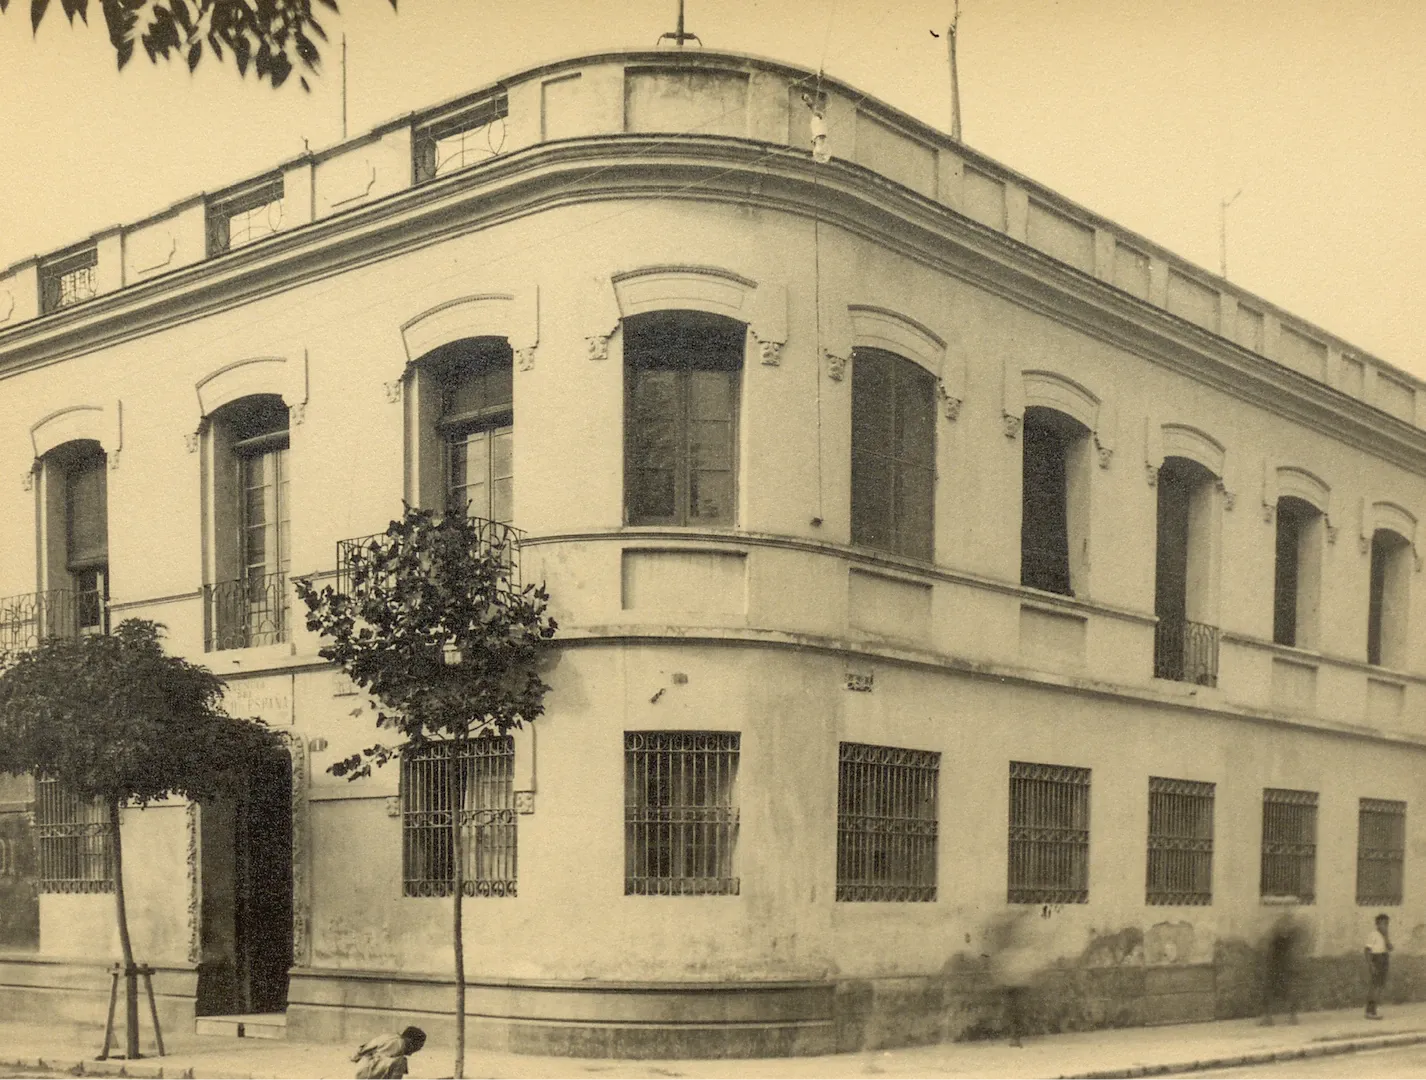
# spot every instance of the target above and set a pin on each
(1014, 960)
(1284, 945)
(1378, 954)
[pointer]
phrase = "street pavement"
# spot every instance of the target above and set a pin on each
(1404, 1063)
(1215, 1048)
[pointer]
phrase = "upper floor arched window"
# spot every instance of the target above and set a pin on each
(247, 596)
(473, 418)
(1054, 520)
(682, 374)
(75, 555)
(1389, 598)
(893, 454)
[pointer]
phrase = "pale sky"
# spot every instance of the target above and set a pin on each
(1149, 112)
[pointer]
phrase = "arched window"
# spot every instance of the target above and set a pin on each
(1297, 576)
(473, 407)
(1389, 598)
(681, 381)
(76, 539)
(1054, 520)
(247, 598)
(1185, 641)
(893, 454)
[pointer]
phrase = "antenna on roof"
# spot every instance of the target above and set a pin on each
(678, 37)
(955, 81)
(1223, 232)
(344, 87)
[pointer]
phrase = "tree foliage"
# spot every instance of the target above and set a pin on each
(114, 717)
(435, 628)
(272, 37)
(427, 589)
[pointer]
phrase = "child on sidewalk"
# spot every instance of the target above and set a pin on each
(1378, 954)
(385, 1057)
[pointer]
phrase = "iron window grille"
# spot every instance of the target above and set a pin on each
(886, 823)
(239, 217)
(1049, 834)
(680, 813)
(68, 279)
(893, 454)
(1185, 651)
(30, 618)
(492, 537)
(456, 140)
(75, 841)
(1381, 851)
(1289, 866)
(484, 786)
(1180, 855)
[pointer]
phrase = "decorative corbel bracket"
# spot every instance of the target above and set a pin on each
(1010, 425)
(190, 441)
(1230, 498)
(1106, 453)
(836, 365)
(394, 390)
(28, 480)
(769, 351)
(950, 401)
(525, 357)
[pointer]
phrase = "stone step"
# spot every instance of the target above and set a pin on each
(250, 1026)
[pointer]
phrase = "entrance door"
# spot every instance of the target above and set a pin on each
(262, 912)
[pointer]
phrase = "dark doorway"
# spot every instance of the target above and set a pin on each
(247, 895)
(262, 915)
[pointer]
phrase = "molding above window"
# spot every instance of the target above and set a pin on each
(1391, 516)
(513, 314)
(286, 377)
(99, 423)
(1295, 482)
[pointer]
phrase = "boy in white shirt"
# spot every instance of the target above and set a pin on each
(1378, 954)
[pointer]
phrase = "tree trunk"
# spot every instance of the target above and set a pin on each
(457, 774)
(126, 948)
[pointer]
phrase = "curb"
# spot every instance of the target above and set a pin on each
(1261, 1057)
(152, 1069)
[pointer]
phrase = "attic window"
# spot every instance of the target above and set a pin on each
(242, 215)
(466, 136)
(68, 279)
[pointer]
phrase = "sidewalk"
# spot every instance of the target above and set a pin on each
(1125, 1052)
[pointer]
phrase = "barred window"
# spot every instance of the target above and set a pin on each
(68, 279)
(1381, 851)
(485, 782)
(886, 823)
(1180, 842)
(1289, 844)
(1049, 834)
(680, 813)
(76, 850)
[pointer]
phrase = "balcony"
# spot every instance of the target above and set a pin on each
(245, 613)
(30, 618)
(491, 537)
(1186, 651)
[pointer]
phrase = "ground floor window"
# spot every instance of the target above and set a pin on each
(886, 823)
(680, 813)
(1049, 834)
(1180, 842)
(483, 789)
(75, 842)
(1289, 866)
(1381, 851)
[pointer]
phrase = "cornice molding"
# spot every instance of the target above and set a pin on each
(629, 167)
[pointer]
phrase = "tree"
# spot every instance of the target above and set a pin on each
(434, 625)
(267, 34)
(114, 718)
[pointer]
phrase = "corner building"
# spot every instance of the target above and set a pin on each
(924, 547)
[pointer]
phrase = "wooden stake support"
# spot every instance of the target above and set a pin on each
(116, 973)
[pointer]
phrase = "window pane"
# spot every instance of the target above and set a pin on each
(710, 496)
(914, 493)
(915, 415)
(653, 447)
(871, 404)
(87, 511)
(872, 495)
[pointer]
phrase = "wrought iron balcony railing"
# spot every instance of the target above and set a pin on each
(1186, 651)
(30, 618)
(492, 537)
(244, 613)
